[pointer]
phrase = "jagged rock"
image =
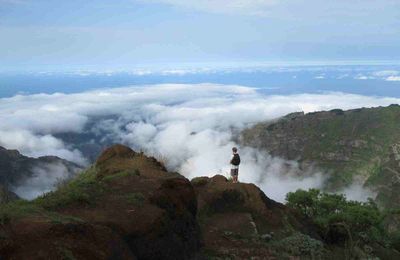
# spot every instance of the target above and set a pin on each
(6, 195)
(125, 207)
(232, 215)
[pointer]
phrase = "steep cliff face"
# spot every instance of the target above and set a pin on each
(355, 144)
(16, 168)
(239, 221)
(387, 180)
(6, 195)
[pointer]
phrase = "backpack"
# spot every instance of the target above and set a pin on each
(236, 159)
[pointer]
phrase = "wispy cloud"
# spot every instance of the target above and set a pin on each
(191, 126)
(387, 75)
(393, 78)
(45, 178)
(363, 77)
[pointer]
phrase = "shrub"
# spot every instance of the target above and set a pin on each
(199, 181)
(16, 209)
(122, 174)
(300, 245)
(81, 190)
(337, 111)
(338, 219)
(22, 208)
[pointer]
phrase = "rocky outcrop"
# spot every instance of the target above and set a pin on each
(238, 220)
(387, 182)
(127, 206)
(6, 195)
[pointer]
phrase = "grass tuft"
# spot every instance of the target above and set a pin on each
(81, 190)
(122, 174)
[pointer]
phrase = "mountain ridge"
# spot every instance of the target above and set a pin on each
(128, 206)
(355, 145)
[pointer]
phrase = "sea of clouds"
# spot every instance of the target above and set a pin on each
(189, 126)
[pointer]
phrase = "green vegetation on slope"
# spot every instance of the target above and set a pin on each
(21, 208)
(355, 224)
(126, 206)
(346, 144)
(82, 189)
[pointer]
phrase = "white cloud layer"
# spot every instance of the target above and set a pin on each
(189, 126)
(387, 75)
(45, 178)
(393, 78)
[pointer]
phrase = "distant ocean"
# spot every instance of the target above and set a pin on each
(377, 80)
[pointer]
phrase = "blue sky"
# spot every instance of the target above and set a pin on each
(129, 33)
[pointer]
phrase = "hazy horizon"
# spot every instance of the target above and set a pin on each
(104, 34)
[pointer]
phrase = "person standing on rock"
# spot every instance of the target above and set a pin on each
(235, 162)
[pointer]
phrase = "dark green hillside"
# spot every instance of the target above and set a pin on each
(362, 143)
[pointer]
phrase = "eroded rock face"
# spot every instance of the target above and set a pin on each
(387, 182)
(125, 207)
(6, 195)
(236, 219)
(346, 145)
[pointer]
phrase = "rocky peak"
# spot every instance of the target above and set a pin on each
(127, 204)
(115, 151)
